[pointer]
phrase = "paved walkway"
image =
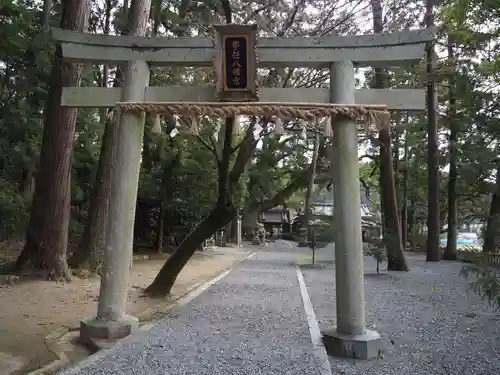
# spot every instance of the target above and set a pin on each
(251, 322)
(429, 319)
(254, 321)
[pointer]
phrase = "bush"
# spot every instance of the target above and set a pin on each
(324, 235)
(377, 252)
(418, 242)
(13, 212)
(487, 283)
(324, 231)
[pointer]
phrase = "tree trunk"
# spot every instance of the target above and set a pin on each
(222, 214)
(159, 231)
(90, 252)
(433, 253)
(165, 279)
(450, 252)
(310, 183)
(404, 226)
(47, 236)
(250, 220)
(165, 194)
(395, 157)
(411, 217)
(396, 260)
(232, 230)
(404, 211)
(491, 234)
(27, 185)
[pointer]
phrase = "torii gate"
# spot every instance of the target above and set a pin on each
(340, 54)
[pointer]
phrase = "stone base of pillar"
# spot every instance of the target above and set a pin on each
(93, 331)
(365, 346)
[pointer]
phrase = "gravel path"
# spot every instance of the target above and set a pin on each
(251, 322)
(429, 322)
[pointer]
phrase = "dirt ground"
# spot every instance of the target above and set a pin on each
(31, 309)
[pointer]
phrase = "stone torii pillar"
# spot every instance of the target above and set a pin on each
(349, 338)
(112, 322)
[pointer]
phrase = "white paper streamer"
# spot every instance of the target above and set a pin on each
(174, 132)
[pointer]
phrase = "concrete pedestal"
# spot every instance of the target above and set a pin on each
(94, 328)
(365, 346)
(350, 337)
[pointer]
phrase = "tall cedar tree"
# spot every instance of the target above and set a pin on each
(47, 235)
(396, 260)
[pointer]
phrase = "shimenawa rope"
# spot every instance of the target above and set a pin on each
(373, 115)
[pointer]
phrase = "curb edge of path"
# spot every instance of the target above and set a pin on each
(54, 338)
(313, 325)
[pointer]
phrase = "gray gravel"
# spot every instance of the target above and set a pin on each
(429, 322)
(251, 322)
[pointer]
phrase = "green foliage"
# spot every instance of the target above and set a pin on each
(13, 212)
(377, 252)
(324, 231)
(183, 175)
(276, 163)
(473, 29)
(486, 283)
(24, 68)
